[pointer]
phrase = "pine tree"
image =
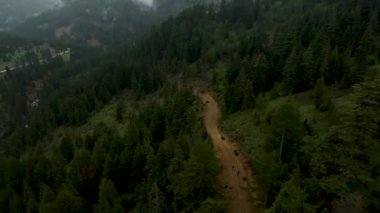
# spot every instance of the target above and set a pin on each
(109, 200)
(291, 71)
(68, 201)
(66, 148)
(292, 198)
(321, 100)
(286, 133)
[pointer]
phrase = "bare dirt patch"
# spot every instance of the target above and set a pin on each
(33, 91)
(65, 31)
(236, 176)
(93, 42)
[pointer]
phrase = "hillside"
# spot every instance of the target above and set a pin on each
(16, 11)
(23, 64)
(100, 23)
(94, 23)
(296, 80)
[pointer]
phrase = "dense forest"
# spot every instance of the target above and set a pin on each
(113, 133)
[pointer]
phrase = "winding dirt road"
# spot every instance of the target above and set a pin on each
(236, 176)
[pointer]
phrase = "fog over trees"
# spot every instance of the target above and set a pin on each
(179, 105)
(15, 11)
(148, 2)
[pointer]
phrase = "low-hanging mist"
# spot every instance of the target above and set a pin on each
(147, 2)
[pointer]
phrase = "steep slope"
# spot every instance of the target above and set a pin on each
(33, 60)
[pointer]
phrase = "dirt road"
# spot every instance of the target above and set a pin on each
(41, 61)
(236, 176)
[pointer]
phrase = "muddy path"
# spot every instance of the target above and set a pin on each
(236, 176)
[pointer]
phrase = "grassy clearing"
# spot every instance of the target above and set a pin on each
(104, 118)
(251, 128)
(244, 128)
(66, 57)
(107, 116)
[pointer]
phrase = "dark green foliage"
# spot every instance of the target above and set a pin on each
(196, 181)
(119, 111)
(321, 100)
(67, 149)
(291, 71)
(161, 164)
(212, 205)
(260, 51)
(159, 161)
(67, 201)
(32, 206)
(286, 133)
(108, 198)
(292, 198)
(356, 141)
(330, 170)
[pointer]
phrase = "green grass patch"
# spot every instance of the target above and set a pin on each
(251, 127)
(66, 57)
(245, 129)
(106, 115)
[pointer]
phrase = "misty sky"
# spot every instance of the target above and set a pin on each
(149, 2)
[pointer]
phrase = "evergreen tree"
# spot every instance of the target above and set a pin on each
(321, 100)
(286, 133)
(68, 201)
(66, 148)
(109, 200)
(290, 72)
(292, 198)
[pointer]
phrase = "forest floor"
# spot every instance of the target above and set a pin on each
(236, 176)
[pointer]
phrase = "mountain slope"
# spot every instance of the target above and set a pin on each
(100, 23)
(16, 11)
(92, 22)
(241, 49)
